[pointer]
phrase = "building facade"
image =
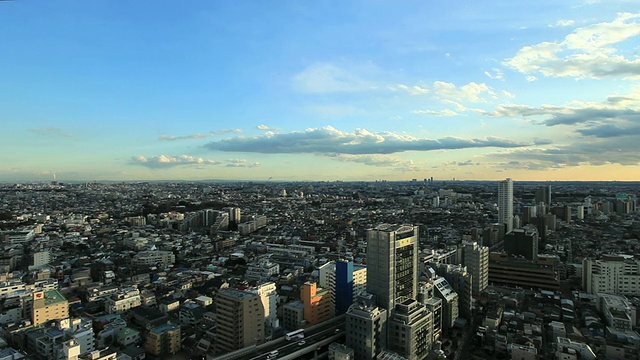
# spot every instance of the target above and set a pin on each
(164, 340)
(392, 263)
(49, 305)
(476, 259)
(410, 330)
(365, 328)
(318, 304)
(614, 274)
(236, 316)
(505, 203)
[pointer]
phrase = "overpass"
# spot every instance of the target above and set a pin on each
(316, 337)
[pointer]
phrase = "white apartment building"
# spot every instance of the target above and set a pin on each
(123, 300)
(151, 258)
(40, 259)
(262, 271)
(613, 274)
(269, 299)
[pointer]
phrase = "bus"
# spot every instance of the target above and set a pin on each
(297, 334)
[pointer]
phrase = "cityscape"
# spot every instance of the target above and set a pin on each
(341, 180)
(418, 269)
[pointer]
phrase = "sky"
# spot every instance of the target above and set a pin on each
(319, 90)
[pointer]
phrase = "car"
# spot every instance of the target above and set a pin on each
(301, 342)
(337, 330)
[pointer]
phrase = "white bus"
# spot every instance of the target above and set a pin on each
(296, 334)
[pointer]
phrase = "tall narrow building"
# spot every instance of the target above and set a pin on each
(476, 259)
(543, 195)
(392, 264)
(236, 319)
(505, 203)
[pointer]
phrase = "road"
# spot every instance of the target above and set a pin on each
(315, 336)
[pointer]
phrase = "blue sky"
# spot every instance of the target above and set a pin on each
(323, 90)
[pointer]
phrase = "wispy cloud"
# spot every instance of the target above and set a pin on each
(588, 52)
(412, 90)
(50, 132)
(163, 161)
(263, 127)
(444, 91)
(444, 112)
(495, 74)
(361, 141)
(562, 23)
(330, 78)
(378, 160)
(471, 92)
(200, 135)
(241, 163)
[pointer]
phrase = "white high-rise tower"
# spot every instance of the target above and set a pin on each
(505, 203)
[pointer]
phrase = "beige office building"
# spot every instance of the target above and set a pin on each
(236, 316)
(49, 305)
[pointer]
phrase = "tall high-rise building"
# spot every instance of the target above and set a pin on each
(392, 264)
(505, 203)
(543, 195)
(476, 259)
(236, 316)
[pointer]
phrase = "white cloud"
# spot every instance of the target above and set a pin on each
(413, 90)
(200, 135)
(241, 163)
(378, 160)
(562, 23)
(496, 74)
(507, 94)
(164, 161)
(471, 92)
(587, 52)
(444, 112)
(263, 127)
(361, 141)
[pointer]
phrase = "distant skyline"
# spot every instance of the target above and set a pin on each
(326, 90)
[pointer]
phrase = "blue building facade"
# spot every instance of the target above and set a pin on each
(344, 286)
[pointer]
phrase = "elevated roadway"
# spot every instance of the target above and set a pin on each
(316, 337)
